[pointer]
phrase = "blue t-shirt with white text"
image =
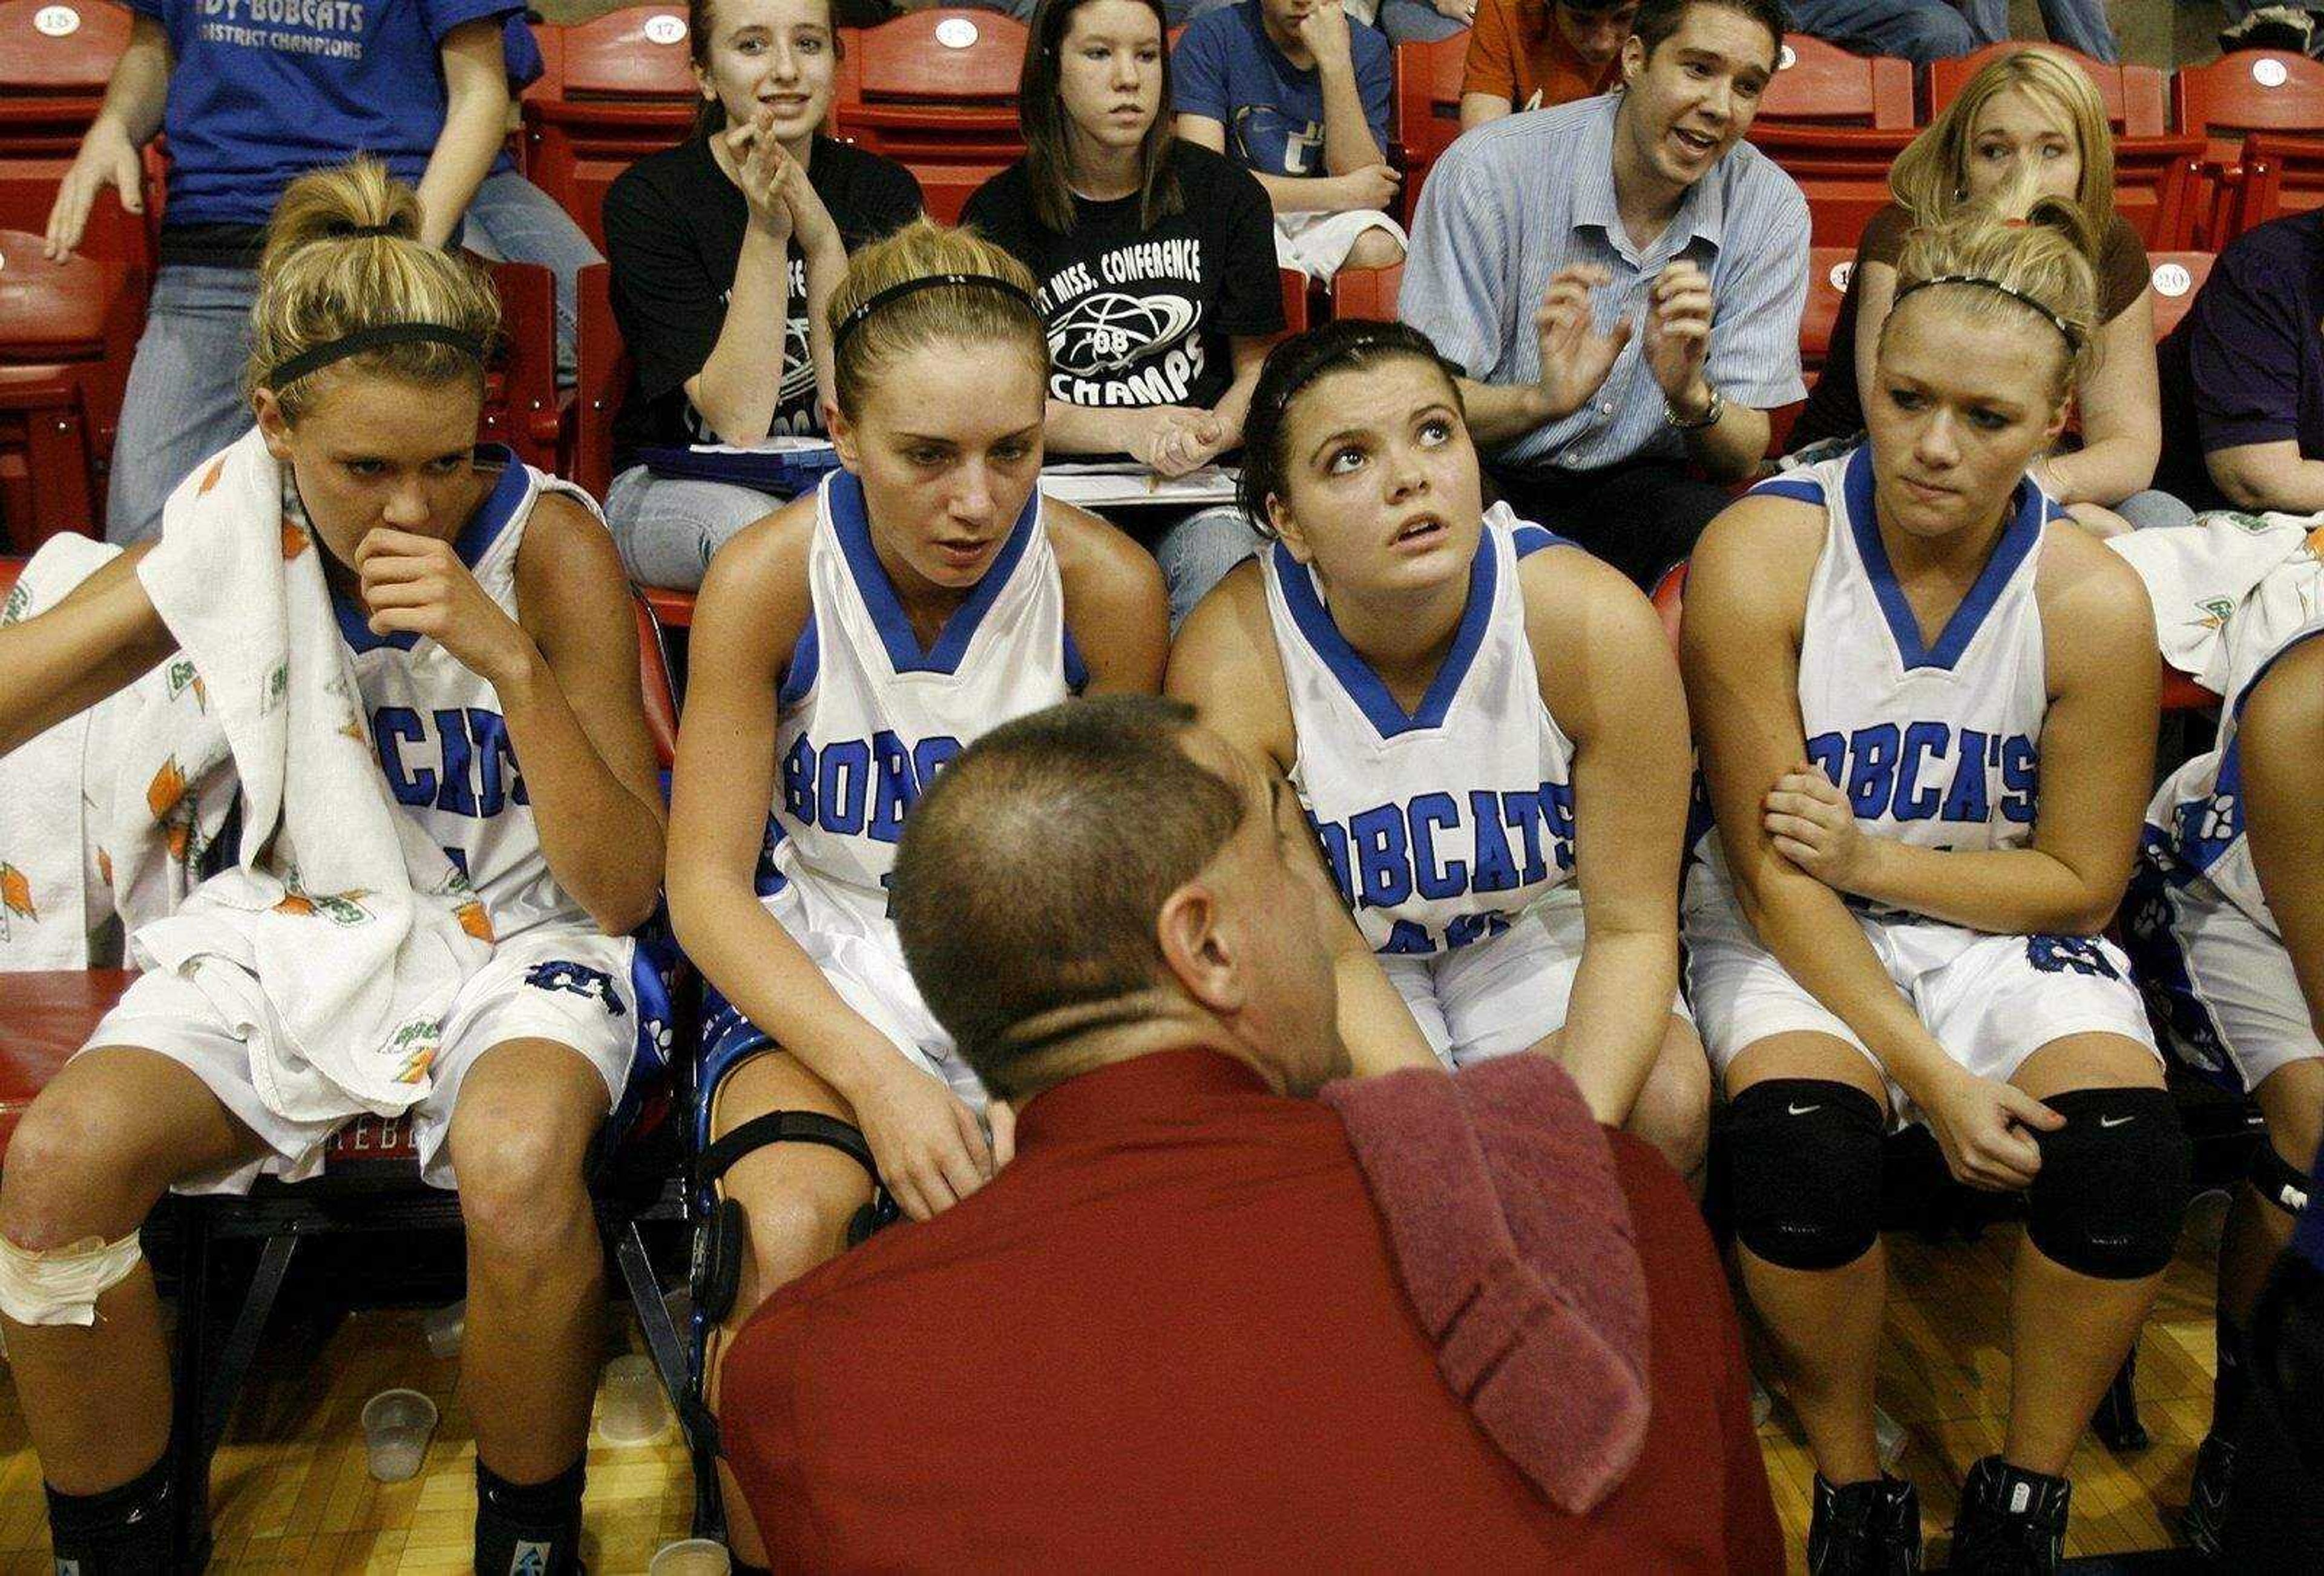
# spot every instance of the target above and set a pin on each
(1227, 69)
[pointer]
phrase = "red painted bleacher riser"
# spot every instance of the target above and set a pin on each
(44, 1018)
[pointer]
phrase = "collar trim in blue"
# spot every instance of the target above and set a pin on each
(1356, 676)
(851, 522)
(2029, 511)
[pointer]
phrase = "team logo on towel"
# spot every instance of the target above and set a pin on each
(418, 1040)
(579, 979)
(340, 908)
(163, 794)
(474, 920)
(181, 677)
(2212, 612)
(15, 897)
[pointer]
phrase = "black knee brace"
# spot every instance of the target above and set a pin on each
(2112, 1189)
(715, 1272)
(2278, 1180)
(1804, 1171)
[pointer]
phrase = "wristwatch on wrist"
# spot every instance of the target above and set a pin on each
(1709, 416)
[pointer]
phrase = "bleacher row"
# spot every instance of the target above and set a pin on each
(2201, 155)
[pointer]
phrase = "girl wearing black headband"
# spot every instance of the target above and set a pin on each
(1925, 702)
(491, 644)
(843, 648)
(1402, 657)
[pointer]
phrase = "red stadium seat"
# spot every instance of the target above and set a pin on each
(2278, 176)
(1842, 172)
(1427, 107)
(66, 332)
(618, 87)
(2252, 90)
(2159, 187)
(673, 610)
(47, 1016)
(2137, 97)
(1367, 293)
(1818, 84)
(2175, 277)
(1669, 597)
(602, 376)
(1829, 268)
(937, 91)
(520, 404)
(1296, 315)
(55, 60)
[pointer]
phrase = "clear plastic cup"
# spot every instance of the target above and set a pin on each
(444, 1327)
(632, 1410)
(396, 1425)
(690, 1557)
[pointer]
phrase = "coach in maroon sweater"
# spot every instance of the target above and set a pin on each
(1202, 1320)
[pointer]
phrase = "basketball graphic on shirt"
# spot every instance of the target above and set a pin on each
(1110, 332)
(798, 365)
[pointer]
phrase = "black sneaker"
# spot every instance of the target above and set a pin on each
(2011, 1520)
(1871, 1529)
(2206, 1496)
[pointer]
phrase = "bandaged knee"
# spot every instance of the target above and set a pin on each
(2112, 1190)
(61, 1286)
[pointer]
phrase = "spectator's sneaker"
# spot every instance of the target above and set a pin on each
(1871, 1529)
(2206, 1496)
(2011, 1521)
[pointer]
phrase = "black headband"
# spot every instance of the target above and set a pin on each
(359, 232)
(378, 338)
(2065, 329)
(855, 319)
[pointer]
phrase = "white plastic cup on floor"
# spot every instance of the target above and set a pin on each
(396, 1425)
(690, 1557)
(633, 1410)
(444, 1328)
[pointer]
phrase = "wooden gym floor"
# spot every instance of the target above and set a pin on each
(289, 1491)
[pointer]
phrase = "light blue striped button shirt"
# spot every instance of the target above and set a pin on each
(1514, 201)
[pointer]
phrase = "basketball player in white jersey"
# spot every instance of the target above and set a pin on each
(2225, 922)
(1484, 725)
(844, 648)
(1926, 709)
(491, 627)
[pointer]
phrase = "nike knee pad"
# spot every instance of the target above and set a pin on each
(2112, 1189)
(61, 1286)
(2278, 1180)
(1804, 1171)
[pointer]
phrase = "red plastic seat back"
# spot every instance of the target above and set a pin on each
(1367, 293)
(2159, 187)
(1842, 171)
(54, 311)
(2174, 277)
(639, 52)
(1427, 103)
(935, 90)
(1818, 84)
(1829, 269)
(46, 1016)
(602, 376)
(2137, 98)
(2252, 90)
(616, 89)
(654, 687)
(2279, 175)
(56, 57)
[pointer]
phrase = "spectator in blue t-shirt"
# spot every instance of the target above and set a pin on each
(1298, 95)
(250, 101)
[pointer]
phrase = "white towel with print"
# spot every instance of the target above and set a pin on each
(336, 942)
(106, 816)
(2198, 575)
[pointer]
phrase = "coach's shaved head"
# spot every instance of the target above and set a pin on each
(1106, 879)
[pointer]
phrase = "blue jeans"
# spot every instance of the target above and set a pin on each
(1415, 21)
(667, 526)
(2079, 24)
(184, 402)
(2152, 509)
(1196, 550)
(1920, 31)
(512, 220)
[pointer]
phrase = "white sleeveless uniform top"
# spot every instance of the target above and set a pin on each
(443, 745)
(1443, 822)
(867, 717)
(2195, 824)
(1936, 745)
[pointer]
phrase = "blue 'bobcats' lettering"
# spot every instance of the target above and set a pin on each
(1436, 847)
(2058, 954)
(474, 770)
(860, 786)
(579, 979)
(1925, 771)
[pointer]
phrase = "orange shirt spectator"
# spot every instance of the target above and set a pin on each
(1549, 51)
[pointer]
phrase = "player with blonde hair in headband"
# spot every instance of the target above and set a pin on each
(488, 633)
(1926, 708)
(845, 648)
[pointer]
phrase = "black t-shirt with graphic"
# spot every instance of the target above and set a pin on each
(674, 229)
(1142, 316)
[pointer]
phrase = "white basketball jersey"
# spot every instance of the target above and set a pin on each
(2195, 825)
(443, 745)
(1441, 823)
(868, 716)
(1936, 744)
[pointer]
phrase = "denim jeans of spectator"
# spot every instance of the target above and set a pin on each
(2079, 24)
(1196, 551)
(184, 400)
(2152, 509)
(668, 528)
(1415, 21)
(511, 219)
(1919, 31)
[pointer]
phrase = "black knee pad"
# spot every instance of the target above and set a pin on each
(2278, 1180)
(2112, 1189)
(1804, 1171)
